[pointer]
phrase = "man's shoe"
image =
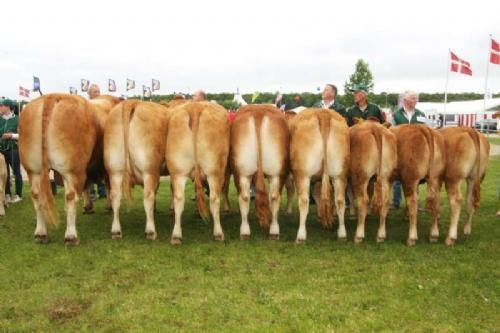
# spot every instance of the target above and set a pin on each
(16, 198)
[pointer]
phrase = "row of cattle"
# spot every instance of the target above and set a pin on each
(132, 142)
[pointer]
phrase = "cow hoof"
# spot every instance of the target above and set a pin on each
(176, 241)
(433, 239)
(41, 239)
(466, 236)
(380, 240)
(358, 240)
(88, 211)
(300, 241)
(150, 235)
(411, 242)
(219, 238)
(116, 235)
(450, 241)
(274, 237)
(244, 237)
(72, 241)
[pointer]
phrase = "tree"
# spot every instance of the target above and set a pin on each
(362, 74)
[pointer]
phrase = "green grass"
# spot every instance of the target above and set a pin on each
(135, 285)
(494, 140)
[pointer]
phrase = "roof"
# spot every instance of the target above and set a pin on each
(460, 107)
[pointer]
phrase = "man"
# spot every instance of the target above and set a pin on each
(407, 114)
(94, 92)
(363, 110)
(199, 96)
(329, 100)
(8, 146)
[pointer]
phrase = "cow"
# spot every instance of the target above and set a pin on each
(62, 132)
(259, 148)
(319, 149)
(3, 182)
(373, 155)
(134, 153)
(197, 147)
(467, 153)
(421, 157)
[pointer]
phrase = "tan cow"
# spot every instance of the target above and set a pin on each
(134, 153)
(421, 156)
(373, 156)
(259, 148)
(198, 147)
(61, 132)
(467, 153)
(319, 149)
(3, 182)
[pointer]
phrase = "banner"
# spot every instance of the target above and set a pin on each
(130, 84)
(85, 85)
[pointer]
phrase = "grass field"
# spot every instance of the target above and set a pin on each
(494, 140)
(135, 285)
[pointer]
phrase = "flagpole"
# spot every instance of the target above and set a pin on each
(486, 82)
(446, 87)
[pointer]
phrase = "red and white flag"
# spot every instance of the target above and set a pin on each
(495, 52)
(459, 65)
(24, 92)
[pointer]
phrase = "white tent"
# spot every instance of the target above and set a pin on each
(462, 113)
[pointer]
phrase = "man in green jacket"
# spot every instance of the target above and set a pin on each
(8, 146)
(329, 100)
(407, 114)
(363, 110)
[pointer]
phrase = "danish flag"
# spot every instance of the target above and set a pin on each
(24, 92)
(459, 65)
(495, 52)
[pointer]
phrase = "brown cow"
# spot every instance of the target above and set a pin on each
(259, 148)
(319, 149)
(3, 182)
(198, 147)
(421, 156)
(62, 132)
(467, 153)
(373, 156)
(134, 153)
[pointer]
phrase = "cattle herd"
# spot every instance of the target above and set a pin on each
(133, 142)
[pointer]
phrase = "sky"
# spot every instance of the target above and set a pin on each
(220, 46)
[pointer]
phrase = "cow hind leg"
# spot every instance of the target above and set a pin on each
(384, 209)
(88, 205)
(215, 184)
(274, 194)
(455, 199)
(290, 191)
(339, 184)
(244, 202)
(115, 196)
(410, 190)
(150, 184)
(179, 184)
(41, 226)
(361, 194)
(433, 186)
(71, 186)
(470, 208)
(303, 185)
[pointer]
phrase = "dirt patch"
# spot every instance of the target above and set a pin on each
(65, 309)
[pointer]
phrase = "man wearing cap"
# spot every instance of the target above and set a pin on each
(362, 110)
(8, 146)
(407, 114)
(329, 100)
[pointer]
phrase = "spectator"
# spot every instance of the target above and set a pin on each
(8, 146)
(199, 96)
(407, 114)
(329, 100)
(363, 110)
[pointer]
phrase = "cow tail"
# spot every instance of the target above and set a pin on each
(200, 196)
(325, 203)
(128, 110)
(432, 196)
(46, 198)
(377, 199)
(261, 198)
(476, 186)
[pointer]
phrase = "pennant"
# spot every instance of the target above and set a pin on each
(146, 91)
(130, 84)
(84, 85)
(155, 85)
(36, 83)
(111, 85)
(73, 91)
